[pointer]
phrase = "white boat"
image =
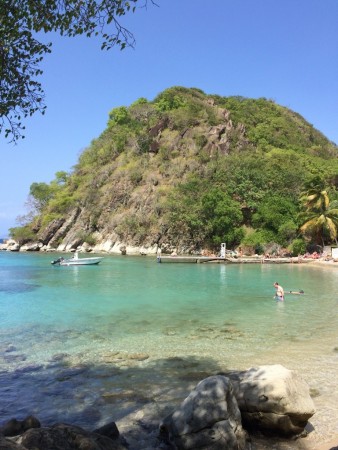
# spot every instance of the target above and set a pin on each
(76, 261)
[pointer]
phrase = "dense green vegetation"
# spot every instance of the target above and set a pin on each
(192, 170)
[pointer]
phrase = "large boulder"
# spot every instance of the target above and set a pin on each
(14, 427)
(273, 400)
(208, 419)
(31, 247)
(6, 444)
(67, 437)
(12, 246)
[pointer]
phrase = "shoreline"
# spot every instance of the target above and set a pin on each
(322, 262)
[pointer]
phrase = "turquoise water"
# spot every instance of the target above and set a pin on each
(84, 344)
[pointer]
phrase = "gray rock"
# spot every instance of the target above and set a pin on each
(31, 247)
(15, 427)
(110, 430)
(273, 400)
(67, 437)
(6, 444)
(208, 419)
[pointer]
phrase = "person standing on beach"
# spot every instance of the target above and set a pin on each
(279, 292)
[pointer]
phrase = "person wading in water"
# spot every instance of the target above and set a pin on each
(279, 292)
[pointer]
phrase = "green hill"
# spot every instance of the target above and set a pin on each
(188, 171)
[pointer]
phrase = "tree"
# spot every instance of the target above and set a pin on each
(321, 216)
(41, 194)
(21, 94)
(315, 196)
(277, 213)
(222, 218)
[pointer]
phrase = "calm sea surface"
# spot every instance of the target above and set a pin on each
(90, 344)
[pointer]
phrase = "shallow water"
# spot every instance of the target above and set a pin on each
(91, 344)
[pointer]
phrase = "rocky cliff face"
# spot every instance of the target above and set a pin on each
(134, 195)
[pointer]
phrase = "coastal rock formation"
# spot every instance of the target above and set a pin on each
(208, 418)
(14, 427)
(10, 246)
(63, 437)
(31, 247)
(273, 400)
(269, 399)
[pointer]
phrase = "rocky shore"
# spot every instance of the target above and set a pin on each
(105, 246)
(261, 408)
(118, 248)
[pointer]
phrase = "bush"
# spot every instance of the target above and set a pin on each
(22, 234)
(297, 247)
(257, 240)
(86, 237)
(119, 116)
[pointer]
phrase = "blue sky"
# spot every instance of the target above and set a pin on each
(283, 50)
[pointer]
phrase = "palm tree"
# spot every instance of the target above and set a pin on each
(315, 196)
(320, 216)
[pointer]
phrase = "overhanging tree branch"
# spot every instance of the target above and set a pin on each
(21, 94)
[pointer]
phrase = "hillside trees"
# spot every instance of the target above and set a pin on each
(157, 174)
(222, 217)
(271, 125)
(21, 51)
(278, 215)
(42, 194)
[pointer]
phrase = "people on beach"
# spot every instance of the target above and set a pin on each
(279, 296)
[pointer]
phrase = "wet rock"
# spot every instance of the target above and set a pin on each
(14, 427)
(10, 348)
(67, 437)
(71, 372)
(119, 357)
(29, 368)
(14, 358)
(59, 357)
(110, 430)
(138, 356)
(6, 444)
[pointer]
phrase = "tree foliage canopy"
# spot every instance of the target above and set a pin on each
(320, 215)
(21, 24)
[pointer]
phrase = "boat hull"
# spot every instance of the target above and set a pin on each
(81, 262)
